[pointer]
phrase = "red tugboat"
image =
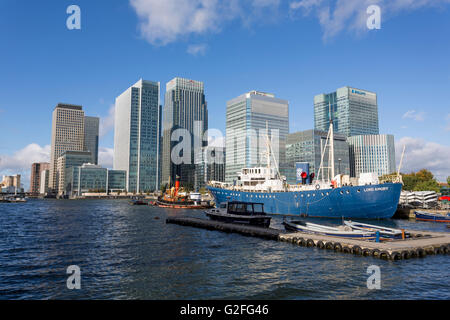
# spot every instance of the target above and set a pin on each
(176, 198)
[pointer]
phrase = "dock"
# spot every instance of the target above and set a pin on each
(420, 244)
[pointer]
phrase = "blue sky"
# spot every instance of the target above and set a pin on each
(294, 49)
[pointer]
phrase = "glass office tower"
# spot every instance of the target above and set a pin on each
(247, 118)
(185, 107)
(354, 112)
(307, 146)
(91, 135)
(372, 153)
(137, 135)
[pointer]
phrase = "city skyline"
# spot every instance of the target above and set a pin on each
(410, 80)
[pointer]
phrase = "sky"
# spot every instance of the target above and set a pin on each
(294, 49)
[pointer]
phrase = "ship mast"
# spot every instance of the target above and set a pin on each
(331, 143)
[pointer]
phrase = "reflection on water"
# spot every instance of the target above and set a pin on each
(129, 252)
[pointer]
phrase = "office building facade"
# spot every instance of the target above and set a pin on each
(372, 154)
(211, 165)
(354, 112)
(137, 135)
(91, 137)
(185, 108)
(308, 146)
(65, 163)
(35, 179)
(247, 119)
(90, 178)
(67, 135)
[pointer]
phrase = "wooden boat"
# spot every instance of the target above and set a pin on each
(341, 231)
(429, 216)
(385, 232)
(249, 213)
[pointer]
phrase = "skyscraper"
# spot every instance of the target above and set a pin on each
(246, 136)
(91, 135)
(185, 107)
(308, 146)
(372, 153)
(354, 111)
(137, 135)
(35, 180)
(67, 135)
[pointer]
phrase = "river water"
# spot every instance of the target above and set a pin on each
(129, 252)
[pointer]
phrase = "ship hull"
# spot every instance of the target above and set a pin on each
(367, 202)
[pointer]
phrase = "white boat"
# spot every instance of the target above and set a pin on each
(384, 231)
(341, 231)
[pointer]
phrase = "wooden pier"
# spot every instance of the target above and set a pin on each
(420, 244)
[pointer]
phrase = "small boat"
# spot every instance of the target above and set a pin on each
(341, 231)
(138, 202)
(385, 232)
(429, 216)
(177, 198)
(249, 213)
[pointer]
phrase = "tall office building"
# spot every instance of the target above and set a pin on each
(137, 135)
(211, 166)
(308, 146)
(372, 154)
(67, 135)
(185, 107)
(35, 179)
(354, 111)
(91, 136)
(246, 136)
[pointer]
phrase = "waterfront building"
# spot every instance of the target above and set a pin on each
(43, 188)
(307, 146)
(372, 154)
(65, 162)
(247, 118)
(91, 137)
(137, 135)
(211, 165)
(35, 179)
(354, 111)
(10, 184)
(185, 107)
(67, 135)
(93, 178)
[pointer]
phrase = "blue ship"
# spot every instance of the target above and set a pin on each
(339, 198)
(377, 201)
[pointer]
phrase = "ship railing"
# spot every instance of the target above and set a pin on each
(391, 178)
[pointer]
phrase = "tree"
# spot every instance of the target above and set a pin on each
(448, 181)
(420, 181)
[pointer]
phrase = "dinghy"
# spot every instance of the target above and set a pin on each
(341, 231)
(385, 232)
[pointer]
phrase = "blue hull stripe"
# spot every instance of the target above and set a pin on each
(368, 202)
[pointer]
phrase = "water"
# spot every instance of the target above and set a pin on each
(129, 252)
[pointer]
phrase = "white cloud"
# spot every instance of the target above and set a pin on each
(421, 154)
(107, 123)
(20, 162)
(105, 157)
(336, 16)
(162, 22)
(197, 49)
(413, 114)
